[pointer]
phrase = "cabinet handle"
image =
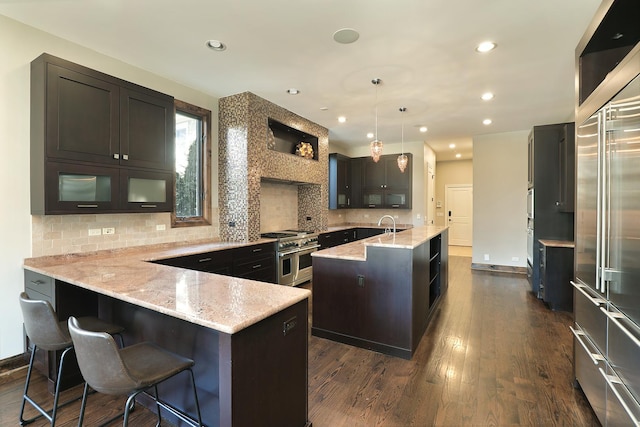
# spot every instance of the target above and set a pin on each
(38, 282)
(148, 206)
(256, 250)
(204, 260)
(125, 156)
(116, 156)
(372, 206)
(257, 266)
(395, 206)
(87, 206)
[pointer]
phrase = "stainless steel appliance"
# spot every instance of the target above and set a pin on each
(294, 255)
(607, 266)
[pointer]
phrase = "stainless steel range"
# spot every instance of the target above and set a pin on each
(294, 255)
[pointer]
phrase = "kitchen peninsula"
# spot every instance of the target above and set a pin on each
(249, 339)
(379, 293)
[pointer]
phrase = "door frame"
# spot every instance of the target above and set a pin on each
(446, 205)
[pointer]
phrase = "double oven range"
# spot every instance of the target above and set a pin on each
(294, 255)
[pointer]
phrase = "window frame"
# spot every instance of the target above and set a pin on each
(205, 218)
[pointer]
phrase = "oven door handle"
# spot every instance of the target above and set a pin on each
(307, 249)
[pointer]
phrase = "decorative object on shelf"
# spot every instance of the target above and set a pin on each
(402, 158)
(304, 149)
(376, 144)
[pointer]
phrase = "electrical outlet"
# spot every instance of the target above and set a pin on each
(366, 215)
(95, 232)
(486, 257)
(515, 258)
(108, 230)
(418, 216)
(161, 227)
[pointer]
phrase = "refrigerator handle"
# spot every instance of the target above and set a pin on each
(614, 382)
(597, 301)
(594, 356)
(614, 318)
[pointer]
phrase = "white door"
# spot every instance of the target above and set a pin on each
(459, 214)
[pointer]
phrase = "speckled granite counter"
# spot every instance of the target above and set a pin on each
(222, 303)
(357, 251)
(244, 336)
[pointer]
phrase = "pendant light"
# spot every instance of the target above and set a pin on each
(376, 144)
(402, 158)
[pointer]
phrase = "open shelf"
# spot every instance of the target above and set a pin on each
(285, 139)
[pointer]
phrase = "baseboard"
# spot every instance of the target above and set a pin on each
(12, 363)
(499, 268)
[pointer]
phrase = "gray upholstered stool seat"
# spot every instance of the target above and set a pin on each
(47, 333)
(127, 371)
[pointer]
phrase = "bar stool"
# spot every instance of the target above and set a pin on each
(128, 371)
(47, 333)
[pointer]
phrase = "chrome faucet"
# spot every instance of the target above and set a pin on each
(387, 230)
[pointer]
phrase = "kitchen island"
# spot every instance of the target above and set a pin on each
(249, 339)
(379, 293)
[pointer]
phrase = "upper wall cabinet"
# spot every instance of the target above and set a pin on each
(605, 45)
(362, 183)
(98, 143)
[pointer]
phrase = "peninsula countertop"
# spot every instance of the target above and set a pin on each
(222, 303)
(357, 251)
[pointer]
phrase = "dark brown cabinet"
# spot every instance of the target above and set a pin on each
(552, 166)
(95, 139)
(339, 181)
(556, 274)
(384, 185)
(335, 238)
(255, 262)
(362, 183)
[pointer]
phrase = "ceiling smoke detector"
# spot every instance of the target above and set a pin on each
(346, 36)
(216, 45)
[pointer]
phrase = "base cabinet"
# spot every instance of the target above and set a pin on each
(556, 273)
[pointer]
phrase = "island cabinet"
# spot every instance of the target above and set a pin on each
(98, 144)
(335, 238)
(384, 301)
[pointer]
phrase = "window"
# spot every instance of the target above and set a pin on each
(193, 166)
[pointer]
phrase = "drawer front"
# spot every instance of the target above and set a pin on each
(587, 363)
(623, 346)
(39, 283)
(246, 266)
(588, 316)
(254, 250)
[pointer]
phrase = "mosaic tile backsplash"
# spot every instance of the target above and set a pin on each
(245, 160)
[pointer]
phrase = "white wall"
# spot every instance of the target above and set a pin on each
(499, 198)
(19, 45)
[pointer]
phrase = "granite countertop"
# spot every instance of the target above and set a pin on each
(225, 304)
(357, 251)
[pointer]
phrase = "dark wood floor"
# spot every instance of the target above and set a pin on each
(492, 356)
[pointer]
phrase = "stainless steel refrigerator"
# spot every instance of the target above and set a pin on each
(607, 259)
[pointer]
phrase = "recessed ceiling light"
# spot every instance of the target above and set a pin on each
(293, 91)
(458, 155)
(342, 119)
(324, 108)
(370, 135)
(487, 96)
(452, 146)
(216, 45)
(617, 36)
(423, 129)
(346, 35)
(486, 47)
(487, 122)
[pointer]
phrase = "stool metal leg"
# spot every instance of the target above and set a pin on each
(195, 396)
(26, 388)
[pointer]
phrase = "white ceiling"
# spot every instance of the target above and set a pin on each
(422, 50)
